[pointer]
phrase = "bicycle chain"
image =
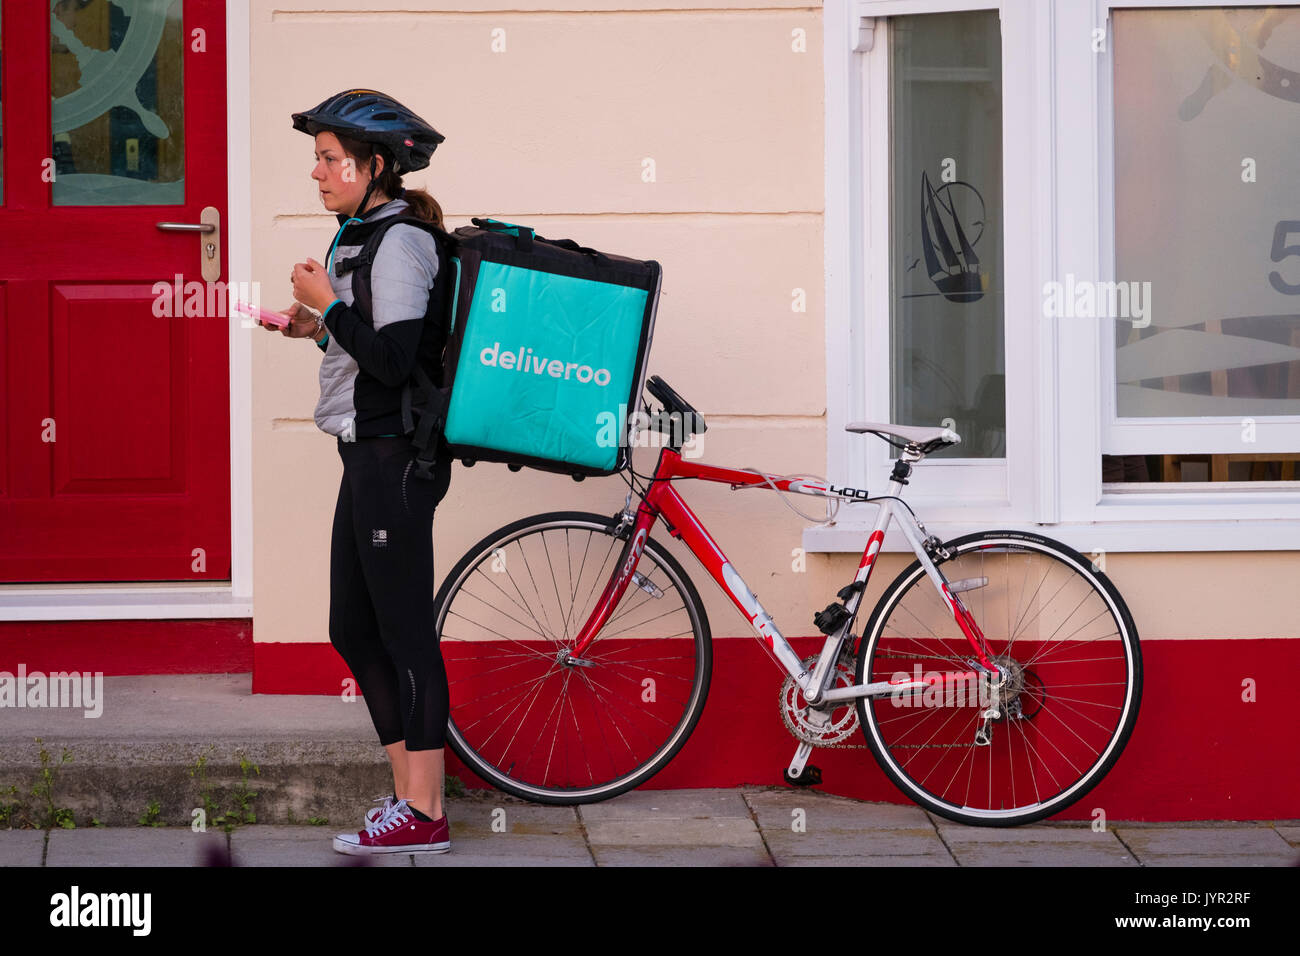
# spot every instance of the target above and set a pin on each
(785, 716)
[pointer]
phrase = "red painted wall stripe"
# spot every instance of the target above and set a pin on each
(1199, 752)
(119, 648)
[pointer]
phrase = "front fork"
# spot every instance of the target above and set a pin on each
(634, 526)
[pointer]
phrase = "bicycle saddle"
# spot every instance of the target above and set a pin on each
(929, 439)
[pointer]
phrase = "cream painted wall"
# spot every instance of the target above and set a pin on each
(552, 133)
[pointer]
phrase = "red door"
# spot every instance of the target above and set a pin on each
(114, 405)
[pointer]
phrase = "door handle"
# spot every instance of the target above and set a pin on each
(209, 230)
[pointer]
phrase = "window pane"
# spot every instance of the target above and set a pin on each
(117, 102)
(946, 284)
(1243, 466)
(1207, 112)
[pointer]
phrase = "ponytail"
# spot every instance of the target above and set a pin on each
(423, 206)
(420, 203)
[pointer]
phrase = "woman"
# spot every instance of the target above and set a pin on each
(381, 559)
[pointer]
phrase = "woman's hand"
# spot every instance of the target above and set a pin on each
(311, 285)
(302, 322)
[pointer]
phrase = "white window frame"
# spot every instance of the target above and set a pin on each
(953, 494)
(1058, 218)
(1143, 436)
(1226, 505)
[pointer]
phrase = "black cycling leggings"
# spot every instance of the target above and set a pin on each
(381, 589)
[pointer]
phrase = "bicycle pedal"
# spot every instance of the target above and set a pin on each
(808, 777)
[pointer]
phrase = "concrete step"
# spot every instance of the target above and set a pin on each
(304, 756)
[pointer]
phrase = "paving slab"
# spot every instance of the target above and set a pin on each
(1080, 834)
(668, 804)
(685, 820)
(514, 831)
(496, 847)
(1042, 854)
(300, 846)
(21, 847)
(850, 841)
(142, 846)
(1078, 845)
(462, 857)
(1241, 842)
(1290, 834)
(890, 861)
(1115, 824)
(776, 809)
(471, 816)
(695, 856)
(817, 826)
(675, 831)
(1199, 859)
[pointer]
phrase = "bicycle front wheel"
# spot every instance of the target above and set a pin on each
(558, 732)
(1070, 649)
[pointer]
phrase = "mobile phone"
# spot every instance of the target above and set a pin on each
(260, 314)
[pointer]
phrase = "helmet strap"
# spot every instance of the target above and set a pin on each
(370, 187)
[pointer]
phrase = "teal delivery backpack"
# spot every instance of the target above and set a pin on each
(547, 351)
(545, 354)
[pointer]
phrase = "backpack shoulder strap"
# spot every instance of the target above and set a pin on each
(421, 396)
(372, 234)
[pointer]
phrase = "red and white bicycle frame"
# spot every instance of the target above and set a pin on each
(663, 501)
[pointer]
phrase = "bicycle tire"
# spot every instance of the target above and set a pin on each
(640, 710)
(925, 756)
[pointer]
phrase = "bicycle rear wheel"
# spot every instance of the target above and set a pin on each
(1070, 646)
(558, 733)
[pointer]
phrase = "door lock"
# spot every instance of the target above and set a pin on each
(209, 229)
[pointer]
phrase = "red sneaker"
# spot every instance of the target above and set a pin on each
(398, 832)
(380, 810)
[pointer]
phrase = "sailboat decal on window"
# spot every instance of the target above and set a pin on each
(950, 257)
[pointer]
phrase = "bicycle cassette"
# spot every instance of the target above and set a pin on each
(819, 727)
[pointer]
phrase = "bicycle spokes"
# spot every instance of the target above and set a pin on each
(1034, 731)
(531, 711)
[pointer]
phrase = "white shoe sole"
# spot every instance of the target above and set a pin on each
(356, 849)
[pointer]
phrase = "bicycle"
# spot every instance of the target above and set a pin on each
(565, 696)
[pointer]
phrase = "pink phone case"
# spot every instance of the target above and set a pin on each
(261, 315)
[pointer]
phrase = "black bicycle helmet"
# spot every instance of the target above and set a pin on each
(374, 117)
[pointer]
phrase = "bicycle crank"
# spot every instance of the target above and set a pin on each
(815, 726)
